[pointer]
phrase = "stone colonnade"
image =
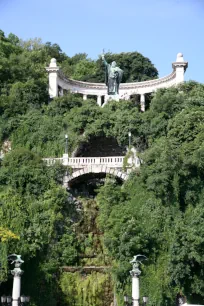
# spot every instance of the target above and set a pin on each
(99, 100)
(58, 83)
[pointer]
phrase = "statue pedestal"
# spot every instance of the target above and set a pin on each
(109, 98)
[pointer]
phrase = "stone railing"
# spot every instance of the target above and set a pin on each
(133, 85)
(81, 162)
(51, 161)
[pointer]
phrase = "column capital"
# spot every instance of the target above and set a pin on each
(135, 272)
(53, 66)
(176, 65)
(52, 69)
(17, 272)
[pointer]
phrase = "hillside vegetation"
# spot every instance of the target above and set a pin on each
(159, 213)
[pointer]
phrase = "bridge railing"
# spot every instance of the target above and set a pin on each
(80, 162)
(86, 161)
(51, 161)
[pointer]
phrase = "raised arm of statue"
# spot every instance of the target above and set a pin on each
(103, 59)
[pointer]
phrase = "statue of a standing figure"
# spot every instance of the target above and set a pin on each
(113, 77)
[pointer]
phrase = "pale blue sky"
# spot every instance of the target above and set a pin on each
(159, 29)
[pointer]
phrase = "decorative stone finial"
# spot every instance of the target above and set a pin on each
(179, 57)
(53, 62)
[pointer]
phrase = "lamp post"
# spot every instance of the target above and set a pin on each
(145, 300)
(66, 144)
(16, 272)
(6, 300)
(129, 137)
(127, 300)
(135, 273)
(16, 299)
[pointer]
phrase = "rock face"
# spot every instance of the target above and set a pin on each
(6, 147)
(100, 146)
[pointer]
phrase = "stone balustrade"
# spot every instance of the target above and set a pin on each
(113, 165)
(51, 161)
(81, 162)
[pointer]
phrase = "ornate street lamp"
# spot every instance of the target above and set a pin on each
(3, 299)
(127, 300)
(16, 299)
(129, 136)
(8, 299)
(25, 299)
(66, 144)
(21, 301)
(145, 300)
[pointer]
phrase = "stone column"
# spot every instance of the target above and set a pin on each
(16, 272)
(84, 97)
(142, 102)
(106, 98)
(99, 100)
(53, 78)
(135, 273)
(65, 159)
(180, 67)
(65, 181)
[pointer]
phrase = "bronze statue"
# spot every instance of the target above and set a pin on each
(113, 77)
(15, 259)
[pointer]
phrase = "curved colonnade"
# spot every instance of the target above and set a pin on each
(58, 83)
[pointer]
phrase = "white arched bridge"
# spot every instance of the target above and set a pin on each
(118, 166)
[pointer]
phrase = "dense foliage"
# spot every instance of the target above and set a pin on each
(158, 213)
(135, 66)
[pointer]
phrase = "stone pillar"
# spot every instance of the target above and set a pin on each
(84, 97)
(106, 97)
(99, 100)
(65, 159)
(180, 67)
(135, 290)
(135, 284)
(142, 102)
(53, 78)
(65, 181)
(16, 272)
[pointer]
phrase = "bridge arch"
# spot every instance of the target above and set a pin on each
(119, 173)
